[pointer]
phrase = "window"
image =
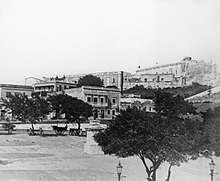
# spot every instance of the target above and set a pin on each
(108, 112)
(113, 101)
(102, 100)
(8, 94)
(149, 108)
(17, 93)
(89, 99)
(95, 100)
(162, 79)
(113, 112)
(113, 80)
(102, 113)
(145, 80)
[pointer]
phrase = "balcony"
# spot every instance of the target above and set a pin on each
(98, 104)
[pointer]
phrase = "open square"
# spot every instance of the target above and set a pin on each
(33, 158)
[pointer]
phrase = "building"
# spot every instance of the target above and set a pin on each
(11, 89)
(168, 75)
(141, 104)
(105, 101)
(116, 78)
(155, 81)
(51, 87)
(178, 74)
(178, 69)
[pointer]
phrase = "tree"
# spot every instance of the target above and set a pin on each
(75, 110)
(172, 134)
(27, 109)
(56, 102)
(212, 123)
(187, 91)
(90, 80)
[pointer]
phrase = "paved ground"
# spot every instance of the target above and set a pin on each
(61, 158)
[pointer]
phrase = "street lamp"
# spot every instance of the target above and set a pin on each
(119, 170)
(212, 168)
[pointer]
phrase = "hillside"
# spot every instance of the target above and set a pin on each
(187, 91)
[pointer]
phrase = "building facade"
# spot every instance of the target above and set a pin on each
(52, 87)
(141, 104)
(105, 101)
(163, 76)
(116, 78)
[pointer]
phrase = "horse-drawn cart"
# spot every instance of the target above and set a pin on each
(77, 132)
(32, 132)
(59, 130)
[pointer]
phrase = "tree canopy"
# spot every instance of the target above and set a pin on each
(212, 121)
(90, 80)
(75, 110)
(26, 108)
(187, 91)
(172, 134)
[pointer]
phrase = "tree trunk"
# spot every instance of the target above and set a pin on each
(32, 125)
(154, 176)
(79, 126)
(169, 173)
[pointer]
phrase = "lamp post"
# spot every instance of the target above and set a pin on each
(119, 170)
(212, 168)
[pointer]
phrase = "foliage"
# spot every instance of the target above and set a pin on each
(140, 90)
(27, 109)
(187, 91)
(90, 80)
(212, 118)
(172, 134)
(75, 110)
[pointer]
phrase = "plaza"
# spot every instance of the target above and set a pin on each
(61, 158)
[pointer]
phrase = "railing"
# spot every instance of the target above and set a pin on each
(98, 104)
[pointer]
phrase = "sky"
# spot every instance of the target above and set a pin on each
(62, 37)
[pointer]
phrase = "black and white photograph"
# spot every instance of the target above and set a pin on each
(109, 90)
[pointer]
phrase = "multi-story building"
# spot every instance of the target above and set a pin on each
(105, 101)
(168, 75)
(52, 87)
(116, 78)
(178, 69)
(11, 89)
(141, 104)
(178, 74)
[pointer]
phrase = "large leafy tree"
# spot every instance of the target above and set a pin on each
(75, 110)
(212, 117)
(26, 108)
(172, 134)
(90, 80)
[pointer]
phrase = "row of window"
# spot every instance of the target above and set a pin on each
(8, 94)
(103, 100)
